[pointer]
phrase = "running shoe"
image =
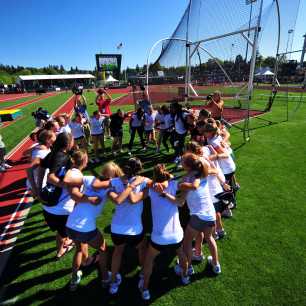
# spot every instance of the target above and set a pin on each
(75, 281)
(216, 268)
(114, 287)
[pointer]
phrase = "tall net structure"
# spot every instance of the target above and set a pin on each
(220, 45)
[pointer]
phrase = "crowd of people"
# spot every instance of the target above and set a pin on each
(73, 200)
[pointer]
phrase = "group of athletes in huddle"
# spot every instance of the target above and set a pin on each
(72, 200)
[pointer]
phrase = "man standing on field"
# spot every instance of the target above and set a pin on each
(103, 101)
(216, 105)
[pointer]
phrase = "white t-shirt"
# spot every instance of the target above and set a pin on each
(65, 204)
(41, 154)
(159, 119)
(65, 129)
(168, 121)
(200, 203)
(167, 228)
(76, 129)
(96, 125)
(84, 215)
(149, 121)
(127, 217)
(179, 124)
(135, 121)
(227, 165)
(214, 185)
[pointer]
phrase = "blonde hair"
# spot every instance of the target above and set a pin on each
(113, 168)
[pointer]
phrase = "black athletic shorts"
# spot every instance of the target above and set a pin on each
(57, 223)
(116, 133)
(161, 247)
(198, 224)
(131, 240)
(220, 207)
(81, 236)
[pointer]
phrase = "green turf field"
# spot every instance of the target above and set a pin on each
(5, 104)
(263, 257)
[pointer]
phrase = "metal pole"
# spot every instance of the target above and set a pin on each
(250, 18)
(303, 52)
(252, 72)
(187, 72)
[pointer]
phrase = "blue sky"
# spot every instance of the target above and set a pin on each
(69, 32)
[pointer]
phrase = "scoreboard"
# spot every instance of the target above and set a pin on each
(110, 63)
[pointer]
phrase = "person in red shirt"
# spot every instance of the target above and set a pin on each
(103, 101)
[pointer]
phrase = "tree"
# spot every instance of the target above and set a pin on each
(269, 61)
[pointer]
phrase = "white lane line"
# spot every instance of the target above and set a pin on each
(14, 214)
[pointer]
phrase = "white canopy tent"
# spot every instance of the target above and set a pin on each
(111, 79)
(266, 73)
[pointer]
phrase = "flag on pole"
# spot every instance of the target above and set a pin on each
(120, 46)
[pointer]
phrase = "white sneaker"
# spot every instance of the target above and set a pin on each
(216, 268)
(75, 280)
(114, 287)
(130, 153)
(7, 166)
(144, 149)
(145, 294)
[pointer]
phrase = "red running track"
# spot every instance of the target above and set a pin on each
(12, 97)
(15, 198)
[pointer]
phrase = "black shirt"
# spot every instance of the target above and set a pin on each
(55, 162)
(116, 122)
